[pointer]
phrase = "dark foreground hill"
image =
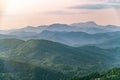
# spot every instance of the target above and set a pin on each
(113, 74)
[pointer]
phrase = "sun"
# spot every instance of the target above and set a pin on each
(14, 6)
(22, 6)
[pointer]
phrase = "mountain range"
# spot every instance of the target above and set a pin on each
(76, 34)
(59, 51)
(87, 27)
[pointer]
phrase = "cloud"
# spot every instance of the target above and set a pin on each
(97, 6)
(111, 1)
(59, 12)
(107, 1)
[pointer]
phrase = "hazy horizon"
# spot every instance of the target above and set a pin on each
(16, 14)
(47, 25)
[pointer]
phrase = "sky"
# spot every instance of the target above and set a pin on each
(21, 13)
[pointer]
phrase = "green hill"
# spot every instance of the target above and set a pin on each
(12, 70)
(6, 44)
(63, 58)
(56, 56)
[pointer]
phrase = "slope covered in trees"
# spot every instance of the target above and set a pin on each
(113, 74)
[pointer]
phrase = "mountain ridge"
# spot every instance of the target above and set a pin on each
(89, 27)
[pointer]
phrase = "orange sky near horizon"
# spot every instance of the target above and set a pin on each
(20, 13)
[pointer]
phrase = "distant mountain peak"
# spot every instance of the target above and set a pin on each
(90, 23)
(85, 24)
(58, 25)
(29, 27)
